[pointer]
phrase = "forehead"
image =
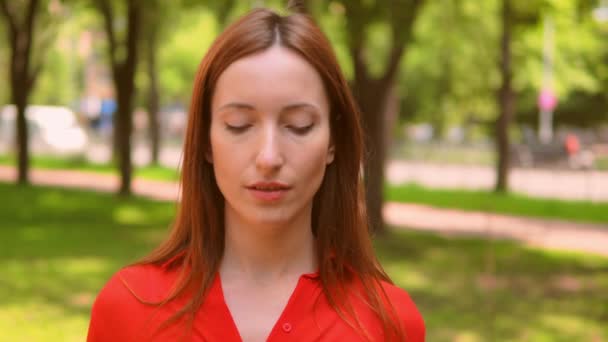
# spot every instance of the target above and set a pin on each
(270, 79)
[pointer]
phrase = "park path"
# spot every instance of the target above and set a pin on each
(551, 234)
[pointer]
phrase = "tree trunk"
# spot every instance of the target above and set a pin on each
(115, 134)
(23, 160)
(22, 77)
(19, 95)
(372, 96)
(124, 82)
(392, 109)
(373, 93)
(153, 95)
(123, 128)
(506, 102)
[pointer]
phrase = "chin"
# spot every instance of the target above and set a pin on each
(271, 219)
(278, 216)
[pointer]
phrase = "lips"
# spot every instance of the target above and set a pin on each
(269, 186)
(268, 191)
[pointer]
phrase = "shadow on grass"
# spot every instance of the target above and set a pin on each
(58, 247)
(482, 290)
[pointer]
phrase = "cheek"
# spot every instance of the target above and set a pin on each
(311, 163)
(226, 161)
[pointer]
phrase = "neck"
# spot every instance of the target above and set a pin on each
(264, 252)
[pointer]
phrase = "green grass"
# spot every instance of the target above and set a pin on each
(58, 247)
(601, 163)
(81, 164)
(477, 290)
(511, 204)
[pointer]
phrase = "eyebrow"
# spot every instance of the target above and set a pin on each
(293, 106)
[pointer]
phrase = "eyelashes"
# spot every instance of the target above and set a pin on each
(237, 129)
(299, 130)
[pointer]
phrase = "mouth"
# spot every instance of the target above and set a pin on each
(269, 186)
(268, 191)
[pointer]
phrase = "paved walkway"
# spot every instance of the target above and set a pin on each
(551, 234)
(588, 185)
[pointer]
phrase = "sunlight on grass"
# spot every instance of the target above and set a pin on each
(128, 214)
(57, 249)
(35, 320)
(467, 336)
(471, 289)
(60, 249)
(564, 324)
(83, 265)
(407, 277)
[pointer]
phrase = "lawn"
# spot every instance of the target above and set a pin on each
(80, 163)
(58, 247)
(510, 203)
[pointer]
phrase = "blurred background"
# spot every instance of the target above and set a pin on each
(487, 181)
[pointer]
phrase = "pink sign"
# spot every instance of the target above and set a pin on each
(547, 100)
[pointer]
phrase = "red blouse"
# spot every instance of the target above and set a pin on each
(118, 316)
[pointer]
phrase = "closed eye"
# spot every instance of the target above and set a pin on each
(237, 129)
(300, 130)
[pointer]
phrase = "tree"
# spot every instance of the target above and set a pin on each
(155, 21)
(123, 57)
(506, 98)
(22, 19)
(374, 91)
(157, 16)
(3, 61)
(513, 14)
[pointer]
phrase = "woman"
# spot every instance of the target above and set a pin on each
(271, 238)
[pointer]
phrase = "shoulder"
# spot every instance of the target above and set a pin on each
(120, 304)
(147, 282)
(107, 317)
(406, 310)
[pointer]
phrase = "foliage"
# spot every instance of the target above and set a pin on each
(183, 51)
(451, 73)
(448, 78)
(64, 63)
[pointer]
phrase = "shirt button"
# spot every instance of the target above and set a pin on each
(287, 327)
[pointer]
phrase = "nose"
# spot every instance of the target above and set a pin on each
(269, 157)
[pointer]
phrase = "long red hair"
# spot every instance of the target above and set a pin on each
(339, 220)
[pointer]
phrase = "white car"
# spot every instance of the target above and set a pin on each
(56, 127)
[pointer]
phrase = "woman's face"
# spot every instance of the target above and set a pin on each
(270, 137)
